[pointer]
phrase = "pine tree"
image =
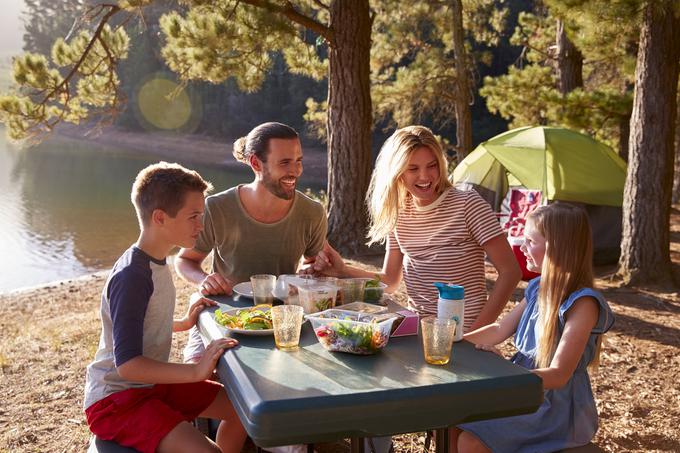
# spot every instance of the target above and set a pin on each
(598, 101)
(645, 249)
(424, 61)
(213, 41)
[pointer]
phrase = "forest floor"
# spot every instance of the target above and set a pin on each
(50, 333)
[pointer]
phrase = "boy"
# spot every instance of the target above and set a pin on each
(133, 396)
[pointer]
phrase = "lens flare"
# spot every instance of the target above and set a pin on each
(164, 104)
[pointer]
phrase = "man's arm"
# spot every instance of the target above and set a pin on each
(188, 266)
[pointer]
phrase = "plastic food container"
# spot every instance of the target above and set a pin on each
(351, 290)
(363, 307)
(291, 283)
(352, 332)
(373, 294)
(315, 298)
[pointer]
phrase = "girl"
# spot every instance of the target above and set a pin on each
(558, 328)
(433, 231)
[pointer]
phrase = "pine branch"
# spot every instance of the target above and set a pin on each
(113, 9)
(291, 13)
(321, 4)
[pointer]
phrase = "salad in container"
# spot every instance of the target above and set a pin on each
(317, 297)
(373, 291)
(350, 331)
(363, 307)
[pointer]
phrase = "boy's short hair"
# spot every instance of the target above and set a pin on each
(163, 186)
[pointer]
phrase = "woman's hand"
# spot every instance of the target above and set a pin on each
(327, 262)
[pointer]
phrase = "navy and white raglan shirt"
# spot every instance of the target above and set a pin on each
(138, 304)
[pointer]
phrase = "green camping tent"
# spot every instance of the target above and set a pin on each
(564, 165)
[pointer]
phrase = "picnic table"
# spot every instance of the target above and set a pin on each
(312, 395)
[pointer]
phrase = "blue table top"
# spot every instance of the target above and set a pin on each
(312, 395)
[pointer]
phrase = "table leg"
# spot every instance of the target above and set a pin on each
(442, 440)
(357, 445)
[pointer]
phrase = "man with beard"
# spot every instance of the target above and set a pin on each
(265, 227)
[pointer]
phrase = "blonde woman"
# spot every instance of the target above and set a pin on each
(557, 328)
(433, 231)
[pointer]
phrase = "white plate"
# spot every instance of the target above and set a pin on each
(243, 289)
(233, 311)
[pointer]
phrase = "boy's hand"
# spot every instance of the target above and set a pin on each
(196, 305)
(214, 284)
(213, 352)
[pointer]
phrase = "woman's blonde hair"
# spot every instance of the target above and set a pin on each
(386, 192)
(567, 267)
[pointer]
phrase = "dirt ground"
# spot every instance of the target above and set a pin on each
(49, 334)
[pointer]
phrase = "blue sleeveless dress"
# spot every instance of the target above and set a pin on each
(568, 416)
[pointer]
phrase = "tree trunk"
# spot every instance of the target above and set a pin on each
(569, 62)
(645, 253)
(624, 136)
(676, 171)
(349, 124)
(463, 84)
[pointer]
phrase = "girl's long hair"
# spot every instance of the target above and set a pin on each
(386, 192)
(567, 267)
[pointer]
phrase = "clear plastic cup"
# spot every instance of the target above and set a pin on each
(317, 297)
(438, 334)
(263, 285)
(287, 322)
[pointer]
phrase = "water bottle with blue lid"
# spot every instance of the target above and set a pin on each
(451, 305)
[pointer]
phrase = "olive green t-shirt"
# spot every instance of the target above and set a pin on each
(243, 246)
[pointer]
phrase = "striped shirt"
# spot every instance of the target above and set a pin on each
(443, 242)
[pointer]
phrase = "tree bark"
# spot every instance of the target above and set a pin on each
(349, 124)
(645, 248)
(463, 84)
(569, 62)
(676, 170)
(624, 136)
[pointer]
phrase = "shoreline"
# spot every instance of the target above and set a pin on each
(193, 148)
(23, 290)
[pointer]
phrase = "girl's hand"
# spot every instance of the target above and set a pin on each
(489, 348)
(205, 368)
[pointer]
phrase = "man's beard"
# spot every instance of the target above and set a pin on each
(275, 188)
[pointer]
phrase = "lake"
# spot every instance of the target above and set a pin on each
(65, 207)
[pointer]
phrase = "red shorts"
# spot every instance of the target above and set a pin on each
(141, 417)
